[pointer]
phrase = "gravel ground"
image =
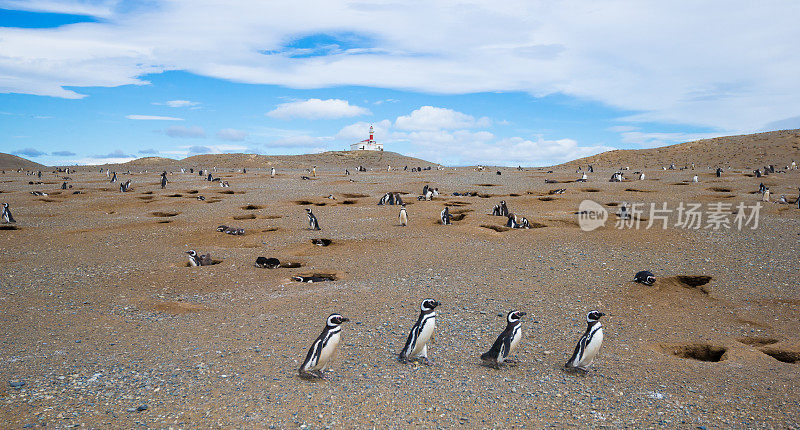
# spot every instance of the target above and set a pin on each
(106, 327)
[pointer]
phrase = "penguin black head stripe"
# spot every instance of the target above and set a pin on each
(428, 305)
(514, 316)
(335, 320)
(594, 316)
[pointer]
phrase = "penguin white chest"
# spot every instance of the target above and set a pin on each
(516, 336)
(593, 347)
(425, 335)
(327, 351)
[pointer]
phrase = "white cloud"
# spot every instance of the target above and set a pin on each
(435, 118)
(317, 109)
(178, 103)
(661, 59)
(188, 132)
(153, 118)
(231, 134)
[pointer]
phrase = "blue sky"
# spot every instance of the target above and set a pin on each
(459, 83)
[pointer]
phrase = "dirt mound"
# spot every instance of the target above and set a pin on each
(744, 151)
(12, 162)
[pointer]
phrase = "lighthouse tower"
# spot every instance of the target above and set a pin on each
(368, 144)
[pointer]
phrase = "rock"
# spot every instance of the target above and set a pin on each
(16, 384)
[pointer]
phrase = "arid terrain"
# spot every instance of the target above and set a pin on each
(105, 326)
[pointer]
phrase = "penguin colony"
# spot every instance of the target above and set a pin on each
(415, 349)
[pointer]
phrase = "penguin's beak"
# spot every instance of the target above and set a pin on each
(436, 304)
(602, 314)
(522, 314)
(345, 319)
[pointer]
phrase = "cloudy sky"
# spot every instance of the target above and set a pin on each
(457, 82)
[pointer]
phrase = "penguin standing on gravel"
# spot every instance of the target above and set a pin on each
(322, 350)
(503, 208)
(272, 172)
(445, 216)
(589, 344)
(164, 180)
(506, 343)
(313, 224)
(114, 178)
(416, 346)
(7, 217)
(403, 216)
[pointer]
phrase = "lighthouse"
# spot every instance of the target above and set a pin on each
(368, 144)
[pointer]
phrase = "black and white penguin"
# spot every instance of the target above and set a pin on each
(416, 347)
(512, 221)
(114, 178)
(397, 199)
(445, 216)
(719, 172)
(272, 172)
(267, 263)
(644, 277)
(589, 344)
(194, 259)
(403, 216)
(7, 217)
(313, 224)
(496, 210)
(524, 223)
(503, 208)
(761, 188)
(385, 199)
(322, 350)
(63, 185)
(507, 342)
(311, 279)
(222, 227)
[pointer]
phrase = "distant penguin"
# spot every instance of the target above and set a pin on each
(591, 169)
(589, 344)
(267, 263)
(63, 185)
(425, 190)
(164, 180)
(765, 197)
(757, 173)
(503, 208)
(583, 178)
(695, 179)
(403, 216)
(7, 217)
(496, 210)
(416, 346)
(641, 176)
(114, 178)
(507, 342)
(272, 172)
(194, 259)
(644, 277)
(782, 200)
(512, 221)
(313, 223)
(719, 172)
(524, 223)
(445, 216)
(761, 188)
(314, 171)
(623, 211)
(323, 349)
(209, 178)
(429, 195)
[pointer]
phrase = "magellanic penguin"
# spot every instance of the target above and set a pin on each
(445, 216)
(272, 172)
(322, 350)
(313, 224)
(644, 277)
(7, 217)
(506, 343)
(194, 259)
(416, 346)
(589, 344)
(403, 216)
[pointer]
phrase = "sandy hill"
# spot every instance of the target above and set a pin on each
(12, 162)
(744, 151)
(324, 160)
